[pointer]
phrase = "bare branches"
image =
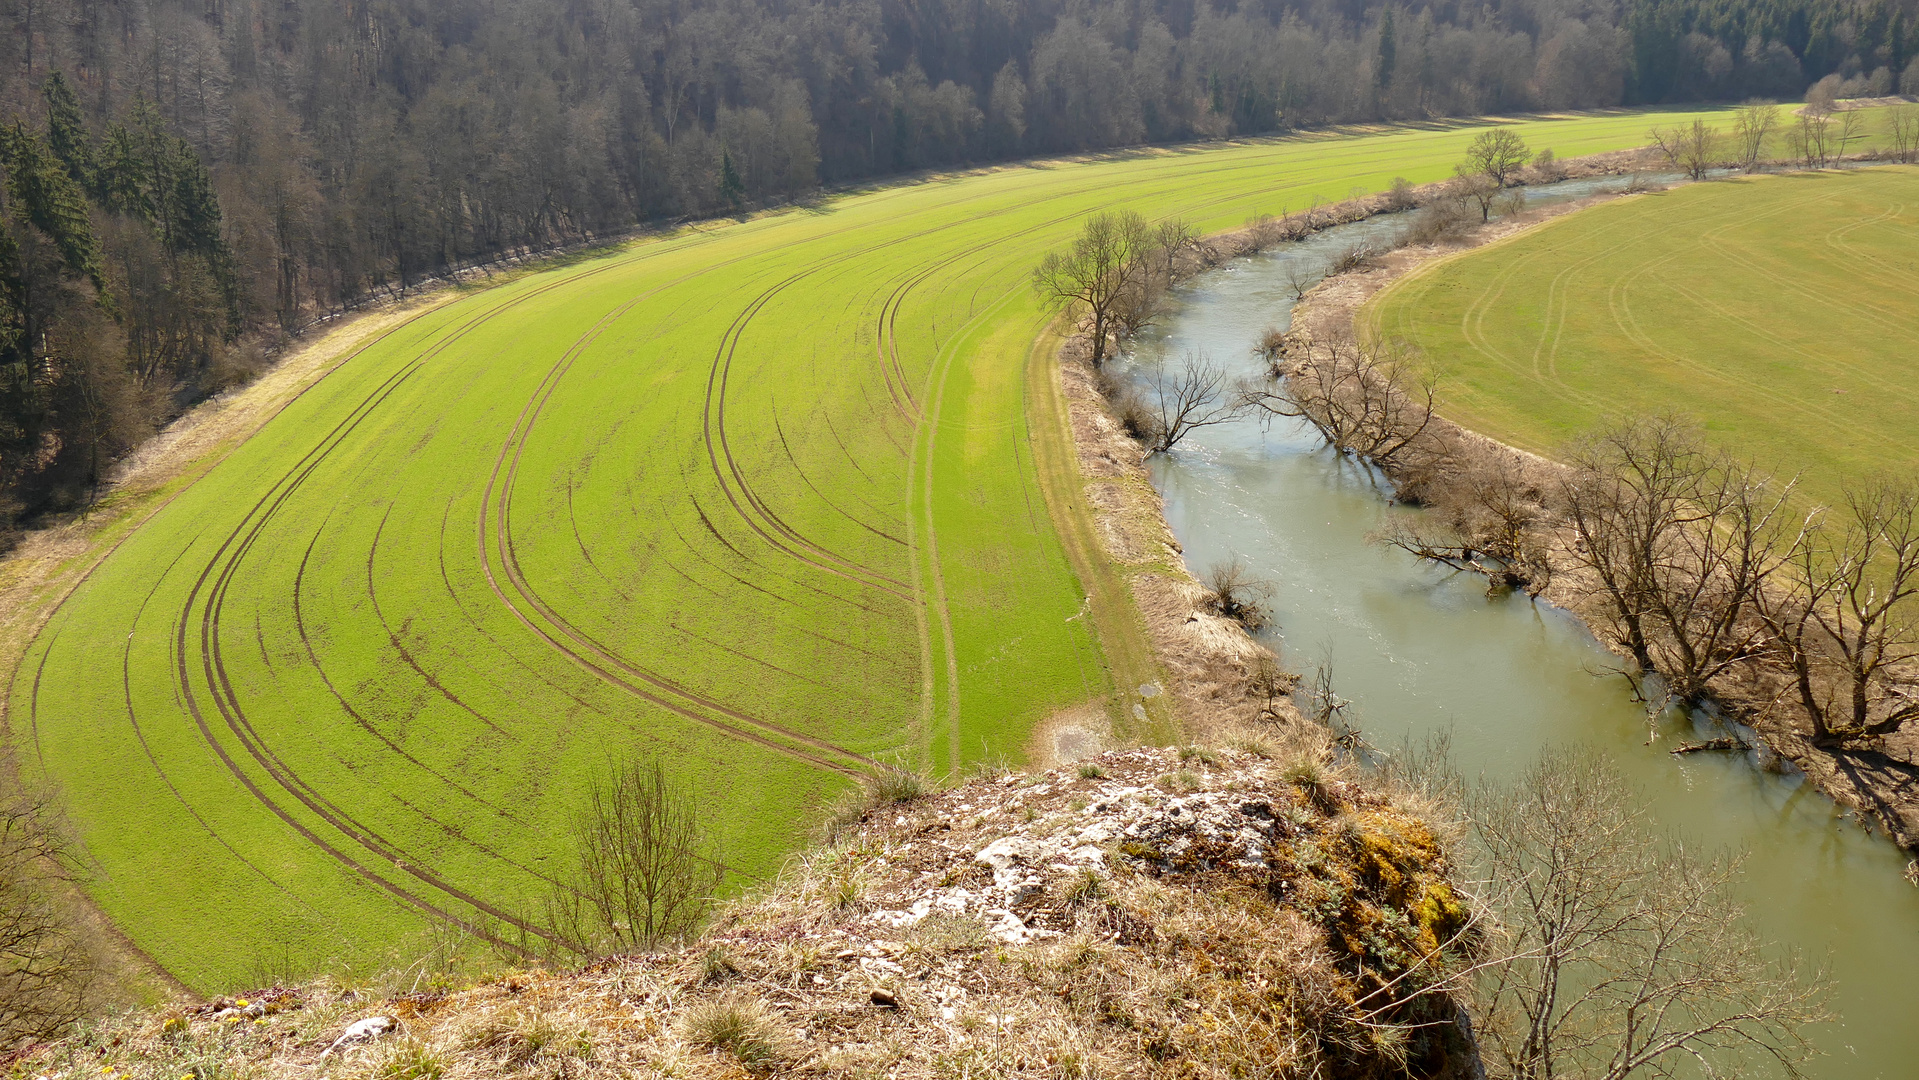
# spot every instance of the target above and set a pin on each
(646, 876)
(1681, 541)
(1371, 402)
(1811, 139)
(1753, 124)
(1233, 592)
(1624, 949)
(1692, 150)
(45, 972)
(1117, 272)
(1194, 395)
(1844, 621)
(1498, 155)
(1487, 516)
(1492, 164)
(1902, 126)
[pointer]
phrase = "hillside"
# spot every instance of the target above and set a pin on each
(757, 498)
(1219, 912)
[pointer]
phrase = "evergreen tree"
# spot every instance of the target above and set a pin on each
(48, 198)
(67, 131)
(1388, 49)
(732, 191)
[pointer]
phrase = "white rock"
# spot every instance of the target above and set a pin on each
(367, 1030)
(1003, 853)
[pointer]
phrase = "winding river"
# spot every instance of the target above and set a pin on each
(1418, 650)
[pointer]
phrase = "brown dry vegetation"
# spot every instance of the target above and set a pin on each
(1206, 912)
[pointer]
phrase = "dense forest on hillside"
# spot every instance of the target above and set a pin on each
(184, 181)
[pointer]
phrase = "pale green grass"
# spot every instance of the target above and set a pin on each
(1781, 312)
(353, 681)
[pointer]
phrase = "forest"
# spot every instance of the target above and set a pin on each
(187, 185)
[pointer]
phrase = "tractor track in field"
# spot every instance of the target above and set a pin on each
(313, 659)
(763, 520)
(139, 735)
(815, 488)
(573, 522)
(373, 599)
(658, 689)
(755, 586)
(446, 580)
(707, 523)
(227, 702)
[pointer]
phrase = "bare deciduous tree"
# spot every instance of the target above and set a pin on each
(45, 972)
(1902, 127)
(1752, 127)
(1105, 262)
(1194, 395)
(1693, 150)
(1851, 129)
(1624, 952)
(1845, 620)
(1371, 402)
(647, 873)
(1681, 541)
(1142, 299)
(1810, 140)
(1484, 518)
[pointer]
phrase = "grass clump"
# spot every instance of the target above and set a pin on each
(1090, 771)
(407, 1059)
(739, 1026)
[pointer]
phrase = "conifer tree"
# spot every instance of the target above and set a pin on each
(48, 198)
(67, 131)
(732, 191)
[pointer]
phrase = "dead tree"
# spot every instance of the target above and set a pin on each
(1369, 401)
(1845, 622)
(1752, 126)
(1096, 274)
(1681, 541)
(1194, 395)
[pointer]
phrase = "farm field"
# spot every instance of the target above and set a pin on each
(759, 497)
(1778, 311)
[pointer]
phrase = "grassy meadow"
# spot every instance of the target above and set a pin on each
(1779, 311)
(760, 497)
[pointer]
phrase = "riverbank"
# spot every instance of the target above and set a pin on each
(1219, 676)
(1878, 780)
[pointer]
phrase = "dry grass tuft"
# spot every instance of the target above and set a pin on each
(740, 1026)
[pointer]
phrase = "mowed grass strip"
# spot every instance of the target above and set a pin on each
(1781, 312)
(759, 497)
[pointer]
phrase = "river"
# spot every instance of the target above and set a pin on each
(1418, 650)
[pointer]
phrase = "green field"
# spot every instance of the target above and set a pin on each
(765, 497)
(1780, 312)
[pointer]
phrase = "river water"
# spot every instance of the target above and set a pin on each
(1418, 650)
